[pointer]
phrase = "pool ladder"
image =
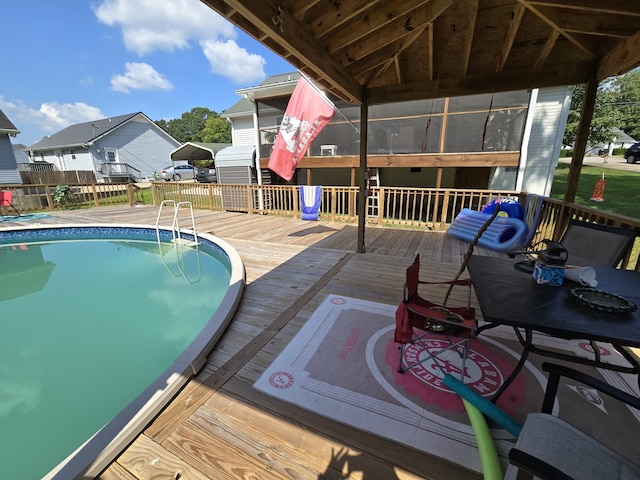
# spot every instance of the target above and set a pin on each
(178, 240)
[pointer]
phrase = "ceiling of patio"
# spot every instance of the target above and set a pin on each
(408, 49)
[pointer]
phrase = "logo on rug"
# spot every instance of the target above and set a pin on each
(480, 373)
(588, 348)
(281, 380)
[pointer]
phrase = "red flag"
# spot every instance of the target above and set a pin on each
(307, 113)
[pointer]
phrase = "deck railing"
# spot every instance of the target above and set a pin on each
(408, 207)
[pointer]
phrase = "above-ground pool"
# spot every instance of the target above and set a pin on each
(101, 326)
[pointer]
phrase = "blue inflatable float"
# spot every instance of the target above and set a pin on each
(504, 234)
(509, 206)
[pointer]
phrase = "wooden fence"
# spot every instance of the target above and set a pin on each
(433, 209)
(50, 177)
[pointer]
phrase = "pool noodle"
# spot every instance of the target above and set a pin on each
(485, 406)
(491, 468)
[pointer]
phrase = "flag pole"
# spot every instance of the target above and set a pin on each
(324, 96)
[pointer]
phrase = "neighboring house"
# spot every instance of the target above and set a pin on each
(121, 148)
(509, 140)
(20, 152)
(621, 139)
(9, 173)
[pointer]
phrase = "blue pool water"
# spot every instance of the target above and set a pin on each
(86, 326)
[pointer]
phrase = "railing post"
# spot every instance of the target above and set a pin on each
(296, 201)
(333, 204)
(49, 198)
(249, 199)
(445, 209)
(130, 193)
(381, 204)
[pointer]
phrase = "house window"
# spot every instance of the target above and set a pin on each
(111, 154)
(73, 154)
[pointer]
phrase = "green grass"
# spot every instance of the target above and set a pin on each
(620, 193)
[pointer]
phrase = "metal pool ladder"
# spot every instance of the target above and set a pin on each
(178, 240)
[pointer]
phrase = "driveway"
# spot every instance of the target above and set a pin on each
(613, 162)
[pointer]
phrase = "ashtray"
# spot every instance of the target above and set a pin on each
(603, 301)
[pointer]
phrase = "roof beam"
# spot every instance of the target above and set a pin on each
(400, 27)
(571, 38)
(623, 58)
(284, 29)
(397, 12)
(479, 84)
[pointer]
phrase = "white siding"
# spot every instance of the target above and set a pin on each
(545, 142)
(546, 121)
(9, 173)
(243, 131)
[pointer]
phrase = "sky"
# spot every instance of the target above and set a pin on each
(73, 61)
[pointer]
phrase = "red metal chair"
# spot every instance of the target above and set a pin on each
(416, 318)
(5, 201)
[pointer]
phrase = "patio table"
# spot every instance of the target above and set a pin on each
(508, 296)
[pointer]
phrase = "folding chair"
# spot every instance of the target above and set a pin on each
(595, 245)
(5, 201)
(417, 318)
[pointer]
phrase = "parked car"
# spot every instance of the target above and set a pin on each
(632, 154)
(178, 172)
(207, 175)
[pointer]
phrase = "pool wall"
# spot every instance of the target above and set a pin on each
(102, 448)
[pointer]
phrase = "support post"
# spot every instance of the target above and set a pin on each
(362, 168)
(580, 145)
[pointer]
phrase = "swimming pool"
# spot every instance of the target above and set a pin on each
(42, 263)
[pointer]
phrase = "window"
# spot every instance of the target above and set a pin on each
(73, 154)
(111, 154)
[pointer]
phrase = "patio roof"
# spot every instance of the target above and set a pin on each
(411, 49)
(373, 51)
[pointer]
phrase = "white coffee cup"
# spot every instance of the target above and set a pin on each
(583, 275)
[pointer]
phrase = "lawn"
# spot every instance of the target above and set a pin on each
(620, 194)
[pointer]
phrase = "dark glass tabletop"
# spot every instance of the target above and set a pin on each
(511, 297)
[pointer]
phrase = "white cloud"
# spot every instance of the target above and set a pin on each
(52, 116)
(230, 60)
(148, 25)
(140, 76)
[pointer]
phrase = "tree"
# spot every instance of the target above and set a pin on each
(216, 130)
(192, 126)
(617, 105)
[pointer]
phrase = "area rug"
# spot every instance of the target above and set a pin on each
(343, 365)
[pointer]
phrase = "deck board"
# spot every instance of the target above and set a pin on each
(219, 427)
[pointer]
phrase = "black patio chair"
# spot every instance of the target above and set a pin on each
(595, 245)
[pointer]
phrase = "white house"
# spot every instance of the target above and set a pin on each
(525, 126)
(121, 148)
(9, 173)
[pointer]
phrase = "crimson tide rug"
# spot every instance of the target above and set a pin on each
(343, 365)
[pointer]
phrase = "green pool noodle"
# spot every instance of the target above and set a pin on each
(485, 406)
(491, 468)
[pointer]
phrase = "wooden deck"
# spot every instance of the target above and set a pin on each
(219, 427)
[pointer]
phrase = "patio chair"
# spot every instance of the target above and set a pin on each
(595, 245)
(6, 197)
(418, 318)
(550, 448)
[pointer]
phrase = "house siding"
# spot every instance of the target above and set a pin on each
(138, 144)
(243, 131)
(9, 173)
(545, 142)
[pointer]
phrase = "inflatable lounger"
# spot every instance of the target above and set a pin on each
(310, 198)
(504, 234)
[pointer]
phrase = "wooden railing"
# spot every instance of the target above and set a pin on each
(434, 209)
(41, 197)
